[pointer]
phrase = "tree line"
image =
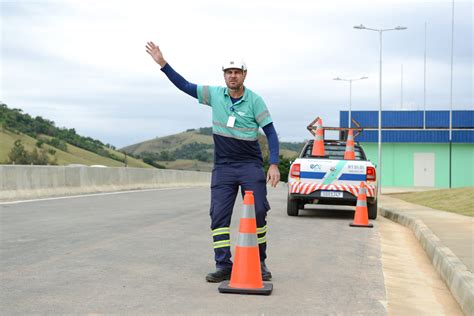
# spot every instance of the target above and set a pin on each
(14, 120)
(194, 151)
(204, 152)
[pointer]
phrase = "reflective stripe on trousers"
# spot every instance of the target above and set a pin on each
(225, 183)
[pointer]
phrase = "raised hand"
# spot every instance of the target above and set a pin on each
(155, 52)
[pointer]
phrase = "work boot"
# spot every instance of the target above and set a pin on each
(266, 274)
(219, 275)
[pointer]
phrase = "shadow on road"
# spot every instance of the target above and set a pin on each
(327, 211)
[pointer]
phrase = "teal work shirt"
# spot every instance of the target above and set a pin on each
(237, 143)
(250, 112)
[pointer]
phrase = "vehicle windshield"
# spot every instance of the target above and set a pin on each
(334, 151)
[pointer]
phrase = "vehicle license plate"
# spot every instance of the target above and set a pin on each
(331, 194)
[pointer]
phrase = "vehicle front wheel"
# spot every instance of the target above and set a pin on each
(292, 206)
(372, 210)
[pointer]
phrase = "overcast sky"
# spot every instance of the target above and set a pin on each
(83, 63)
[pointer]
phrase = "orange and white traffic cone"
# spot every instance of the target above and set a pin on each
(246, 277)
(361, 216)
(349, 154)
(318, 145)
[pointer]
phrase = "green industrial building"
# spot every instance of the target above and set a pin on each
(416, 147)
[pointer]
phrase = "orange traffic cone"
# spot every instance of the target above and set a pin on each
(246, 277)
(318, 145)
(361, 217)
(349, 153)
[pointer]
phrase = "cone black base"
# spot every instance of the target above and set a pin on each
(266, 290)
(367, 226)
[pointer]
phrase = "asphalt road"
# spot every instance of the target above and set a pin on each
(147, 252)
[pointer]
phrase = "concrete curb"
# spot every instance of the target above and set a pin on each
(454, 273)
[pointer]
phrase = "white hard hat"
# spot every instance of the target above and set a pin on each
(234, 64)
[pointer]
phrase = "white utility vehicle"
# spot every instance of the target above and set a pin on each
(330, 179)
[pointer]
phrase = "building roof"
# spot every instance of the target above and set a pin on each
(413, 126)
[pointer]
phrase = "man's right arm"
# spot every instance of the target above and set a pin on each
(173, 76)
(181, 83)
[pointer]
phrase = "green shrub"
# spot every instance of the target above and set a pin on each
(20, 156)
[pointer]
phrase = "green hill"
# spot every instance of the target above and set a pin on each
(193, 149)
(36, 140)
(171, 142)
(61, 146)
(203, 138)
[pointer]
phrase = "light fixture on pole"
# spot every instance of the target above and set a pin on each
(350, 94)
(379, 163)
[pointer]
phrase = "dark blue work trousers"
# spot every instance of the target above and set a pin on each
(226, 179)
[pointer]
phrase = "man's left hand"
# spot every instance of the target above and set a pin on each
(273, 175)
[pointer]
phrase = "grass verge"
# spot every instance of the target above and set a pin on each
(458, 200)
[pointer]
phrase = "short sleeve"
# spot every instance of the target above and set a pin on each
(204, 94)
(262, 116)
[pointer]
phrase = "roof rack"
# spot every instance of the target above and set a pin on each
(335, 141)
(343, 131)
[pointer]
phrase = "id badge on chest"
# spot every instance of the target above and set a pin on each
(231, 121)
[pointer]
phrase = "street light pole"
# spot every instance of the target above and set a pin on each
(401, 87)
(451, 99)
(350, 103)
(350, 94)
(424, 84)
(379, 148)
(379, 163)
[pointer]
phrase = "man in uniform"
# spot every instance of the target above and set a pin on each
(237, 115)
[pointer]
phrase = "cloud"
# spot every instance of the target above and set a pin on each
(83, 63)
